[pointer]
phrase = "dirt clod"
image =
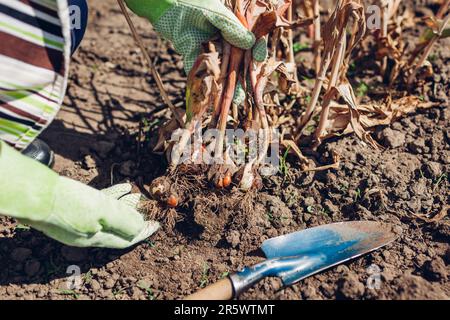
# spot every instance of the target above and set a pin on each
(435, 270)
(393, 138)
(433, 169)
(416, 288)
(418, 146)
(350, 287)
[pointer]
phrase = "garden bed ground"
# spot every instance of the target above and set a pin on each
(94, 138)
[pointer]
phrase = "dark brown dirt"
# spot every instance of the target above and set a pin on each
(217, 233)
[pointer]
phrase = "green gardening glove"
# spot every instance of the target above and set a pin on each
(66, 210)
(189, 23)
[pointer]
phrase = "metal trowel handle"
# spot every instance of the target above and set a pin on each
(235, 284)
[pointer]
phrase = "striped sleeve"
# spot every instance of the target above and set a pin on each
(34, 59)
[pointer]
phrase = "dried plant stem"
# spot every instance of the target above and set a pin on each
(337, 67)
(153, 70)
(388, 11)
(338, 60)
(291, 56)
(181, 145)
(258, 89)
(315, 95)
(223, 77)
(317, 36)
(384, 30)
(427, 51)
(228, 95)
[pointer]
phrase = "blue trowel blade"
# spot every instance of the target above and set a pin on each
(326, 246)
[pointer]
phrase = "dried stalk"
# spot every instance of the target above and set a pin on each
(291, 56)
(427, 50)
(336, 53)
(337, 67)
(235, 62)
(317, 36)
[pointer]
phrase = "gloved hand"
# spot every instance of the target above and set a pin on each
(66, 210)
(189, 23)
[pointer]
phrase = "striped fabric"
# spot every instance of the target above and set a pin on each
(34, 58)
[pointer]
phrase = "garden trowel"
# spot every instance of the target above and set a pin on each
(298, 255)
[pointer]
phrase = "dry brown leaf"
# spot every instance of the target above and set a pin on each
(290, 144)
(335, 165)
(346, 92)
(202, 84)
(372, 115)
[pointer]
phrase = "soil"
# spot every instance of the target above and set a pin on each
(215, 233)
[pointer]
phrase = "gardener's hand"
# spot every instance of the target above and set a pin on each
(66, 210)
(189, 23)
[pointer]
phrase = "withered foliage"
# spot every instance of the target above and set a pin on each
(392, 44)
(273, 93)
(212, 84)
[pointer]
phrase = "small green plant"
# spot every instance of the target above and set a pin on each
(310, 81)
(358, 194)
(324, 211)
(87, 277)
(432, 58)
(204, 279)
(149, 291)
(438, 181)
(117, 292)
(311, 209)
(308, 99)
(422, 175)
(310, 129)
(298, 46)
(343, 188)
(21, 227)
(362, 89)
(283, 162)
(269, 216)
(71, 293)
(150, 243)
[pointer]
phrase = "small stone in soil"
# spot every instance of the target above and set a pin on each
(333, 209)
(95, 285)
(109, 284)
(432, 169)
(89, 162)
(435, 270)
(447, 256)
(309, 202)
(309, 292)
(234, 238)
(392, 138)
(350, 287)
(417, 146)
